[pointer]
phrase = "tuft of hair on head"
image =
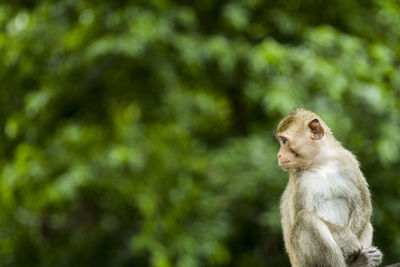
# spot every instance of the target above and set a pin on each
(285, 123)
(301, 114)
(296, 110)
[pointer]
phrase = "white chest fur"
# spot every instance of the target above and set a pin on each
(326, 192)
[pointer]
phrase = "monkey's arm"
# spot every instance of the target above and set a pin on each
(335, 212)
(360, 211)
(321, 243)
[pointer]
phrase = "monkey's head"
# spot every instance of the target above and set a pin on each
(302, 136)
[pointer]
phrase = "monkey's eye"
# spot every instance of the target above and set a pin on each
(284, 141)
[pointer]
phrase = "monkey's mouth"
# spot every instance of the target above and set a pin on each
(284, 165)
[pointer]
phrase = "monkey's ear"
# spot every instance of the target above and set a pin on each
(315, 129)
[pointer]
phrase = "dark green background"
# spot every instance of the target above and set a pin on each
(140, 133)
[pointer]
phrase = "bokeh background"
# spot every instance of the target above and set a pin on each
(140, 133)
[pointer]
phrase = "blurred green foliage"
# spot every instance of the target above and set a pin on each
(140, 133)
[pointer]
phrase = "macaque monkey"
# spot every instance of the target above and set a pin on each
(326, 206)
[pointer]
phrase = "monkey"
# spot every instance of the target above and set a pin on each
(326, 206)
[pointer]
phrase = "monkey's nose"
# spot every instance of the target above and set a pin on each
(279, 155)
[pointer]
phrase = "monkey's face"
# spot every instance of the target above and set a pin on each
(299, 145)
(291, 154)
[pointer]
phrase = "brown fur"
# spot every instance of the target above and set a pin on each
(325, 208)
(285, 124)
